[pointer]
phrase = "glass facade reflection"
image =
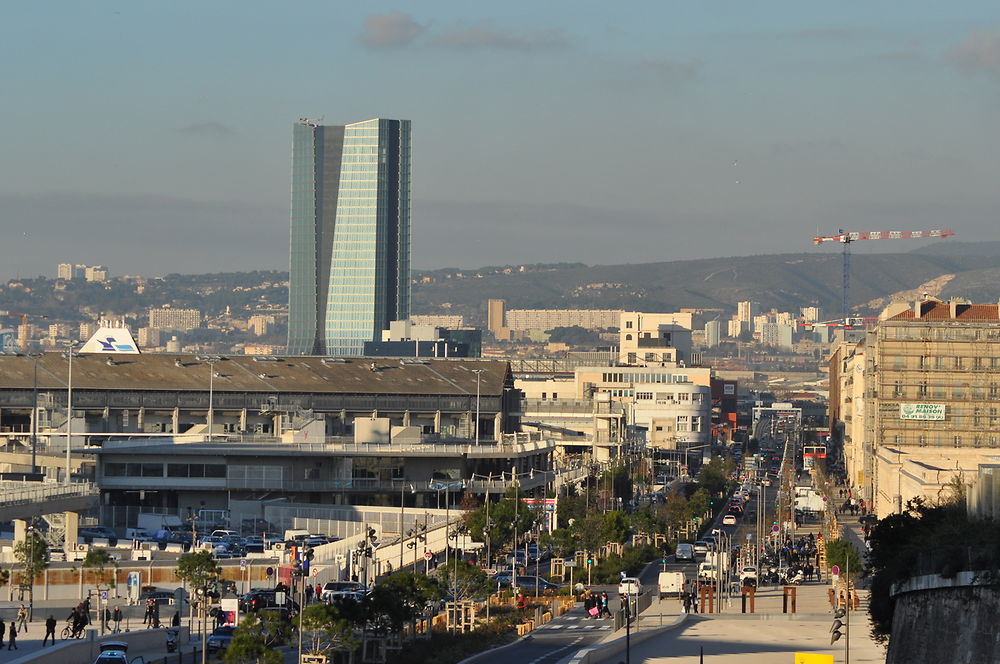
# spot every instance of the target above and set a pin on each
(349, 267)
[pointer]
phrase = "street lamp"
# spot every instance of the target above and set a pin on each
(34, 410)
(402, 510)
(210, 360)
(479, 373)
(71, 344)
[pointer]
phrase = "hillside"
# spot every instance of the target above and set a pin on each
(784, 281)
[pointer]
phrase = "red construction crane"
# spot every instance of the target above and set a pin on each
(847, 237)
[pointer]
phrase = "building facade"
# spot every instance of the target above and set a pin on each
(168, 318)
(349, 261)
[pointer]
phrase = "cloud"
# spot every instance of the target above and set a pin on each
(484, 35)
(216, 129)
(979, 52)
(672, 70)
(391, 30)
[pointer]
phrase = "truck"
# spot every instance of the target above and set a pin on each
(155, 522)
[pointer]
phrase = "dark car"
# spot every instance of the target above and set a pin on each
(529, 583)
(219, 639)
(255, 600)
(158, 596)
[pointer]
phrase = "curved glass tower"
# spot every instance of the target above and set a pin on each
(349, 267)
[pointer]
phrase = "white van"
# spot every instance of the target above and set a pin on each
(671, 583)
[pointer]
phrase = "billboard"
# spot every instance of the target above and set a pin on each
(921, 411)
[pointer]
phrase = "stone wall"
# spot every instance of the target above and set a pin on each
(946, 620)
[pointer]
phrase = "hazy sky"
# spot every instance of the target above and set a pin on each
(155, 136)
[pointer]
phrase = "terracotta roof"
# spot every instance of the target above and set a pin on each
(246, 373)
(935, 311)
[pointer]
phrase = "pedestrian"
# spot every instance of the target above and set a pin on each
(148, 617)
(50, 630)
(522, 601)
(319, 592)
(12, 637)
(116, 617)
(309, 594)
(3, 630)
(605, 610)
(22, 617)
(105, 619)
(176, 620)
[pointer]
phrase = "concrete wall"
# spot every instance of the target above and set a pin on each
(86, 649)
(945, 620)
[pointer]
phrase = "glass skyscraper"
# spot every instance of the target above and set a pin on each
(349, 265)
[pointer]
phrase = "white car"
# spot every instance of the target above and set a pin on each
(701, 546)
(729, 520)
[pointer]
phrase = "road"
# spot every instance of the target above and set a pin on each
(555, 641)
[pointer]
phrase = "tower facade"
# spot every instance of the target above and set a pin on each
(349, 263)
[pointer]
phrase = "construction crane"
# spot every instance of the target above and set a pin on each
(847, 237)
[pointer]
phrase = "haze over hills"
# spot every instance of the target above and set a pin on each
(784, 281)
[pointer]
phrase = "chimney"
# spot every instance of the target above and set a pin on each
(952, 308)
(918, 308)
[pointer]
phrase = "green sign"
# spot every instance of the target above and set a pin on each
(921, 411)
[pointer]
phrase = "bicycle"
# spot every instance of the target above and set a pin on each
(67, 633)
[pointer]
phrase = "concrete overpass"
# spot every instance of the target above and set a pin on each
(20, 500)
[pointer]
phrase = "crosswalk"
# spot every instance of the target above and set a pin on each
(579, 623)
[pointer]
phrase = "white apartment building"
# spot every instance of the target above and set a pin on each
(168, 318)
(547, 319)
(676, 416)
(654, 338)
(777, 335)
(812, 314)
(736, 327)
(713, 333)
(746, 311)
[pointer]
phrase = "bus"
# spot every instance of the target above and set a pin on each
(810, 453)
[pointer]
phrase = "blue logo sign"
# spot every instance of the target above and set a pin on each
(110, 345)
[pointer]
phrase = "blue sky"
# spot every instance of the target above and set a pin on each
(154, 137)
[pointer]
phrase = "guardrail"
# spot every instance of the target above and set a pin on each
(41, 493)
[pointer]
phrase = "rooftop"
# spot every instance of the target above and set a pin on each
(245, 373)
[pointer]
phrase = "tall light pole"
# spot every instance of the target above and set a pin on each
(210, 416)
(34, 411)
(69, 405)
(479, 373)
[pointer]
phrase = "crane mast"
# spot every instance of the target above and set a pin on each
(847, 237)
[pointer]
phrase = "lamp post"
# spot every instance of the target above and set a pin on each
(479, 373)
(34, 410)
(210, 415)
(402, 511)
(70, 345)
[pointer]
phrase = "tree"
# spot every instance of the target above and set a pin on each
(402, 597)
(33, 554)
(506, 517)
(563, 541)
(463, 580)
(102, 571)
(325, 630)
(99, 565)
(249, 645)
(615, 526)
(201, 572)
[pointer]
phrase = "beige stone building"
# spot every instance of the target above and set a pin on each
(928, 383)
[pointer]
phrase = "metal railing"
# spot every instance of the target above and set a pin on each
(17, 493)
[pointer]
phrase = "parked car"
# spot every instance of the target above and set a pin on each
(158, 596)
(219, 639)
(529, 583)
(339, 589)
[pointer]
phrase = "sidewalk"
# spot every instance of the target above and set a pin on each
(30, 649)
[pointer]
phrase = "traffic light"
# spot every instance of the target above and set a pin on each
(835, 632)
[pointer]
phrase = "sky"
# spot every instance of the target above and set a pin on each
(155, 137)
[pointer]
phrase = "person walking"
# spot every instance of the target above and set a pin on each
(22, 618)
(12, 637)
(50, 630)
(116, 618)
(148, 617)
(605, 611)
